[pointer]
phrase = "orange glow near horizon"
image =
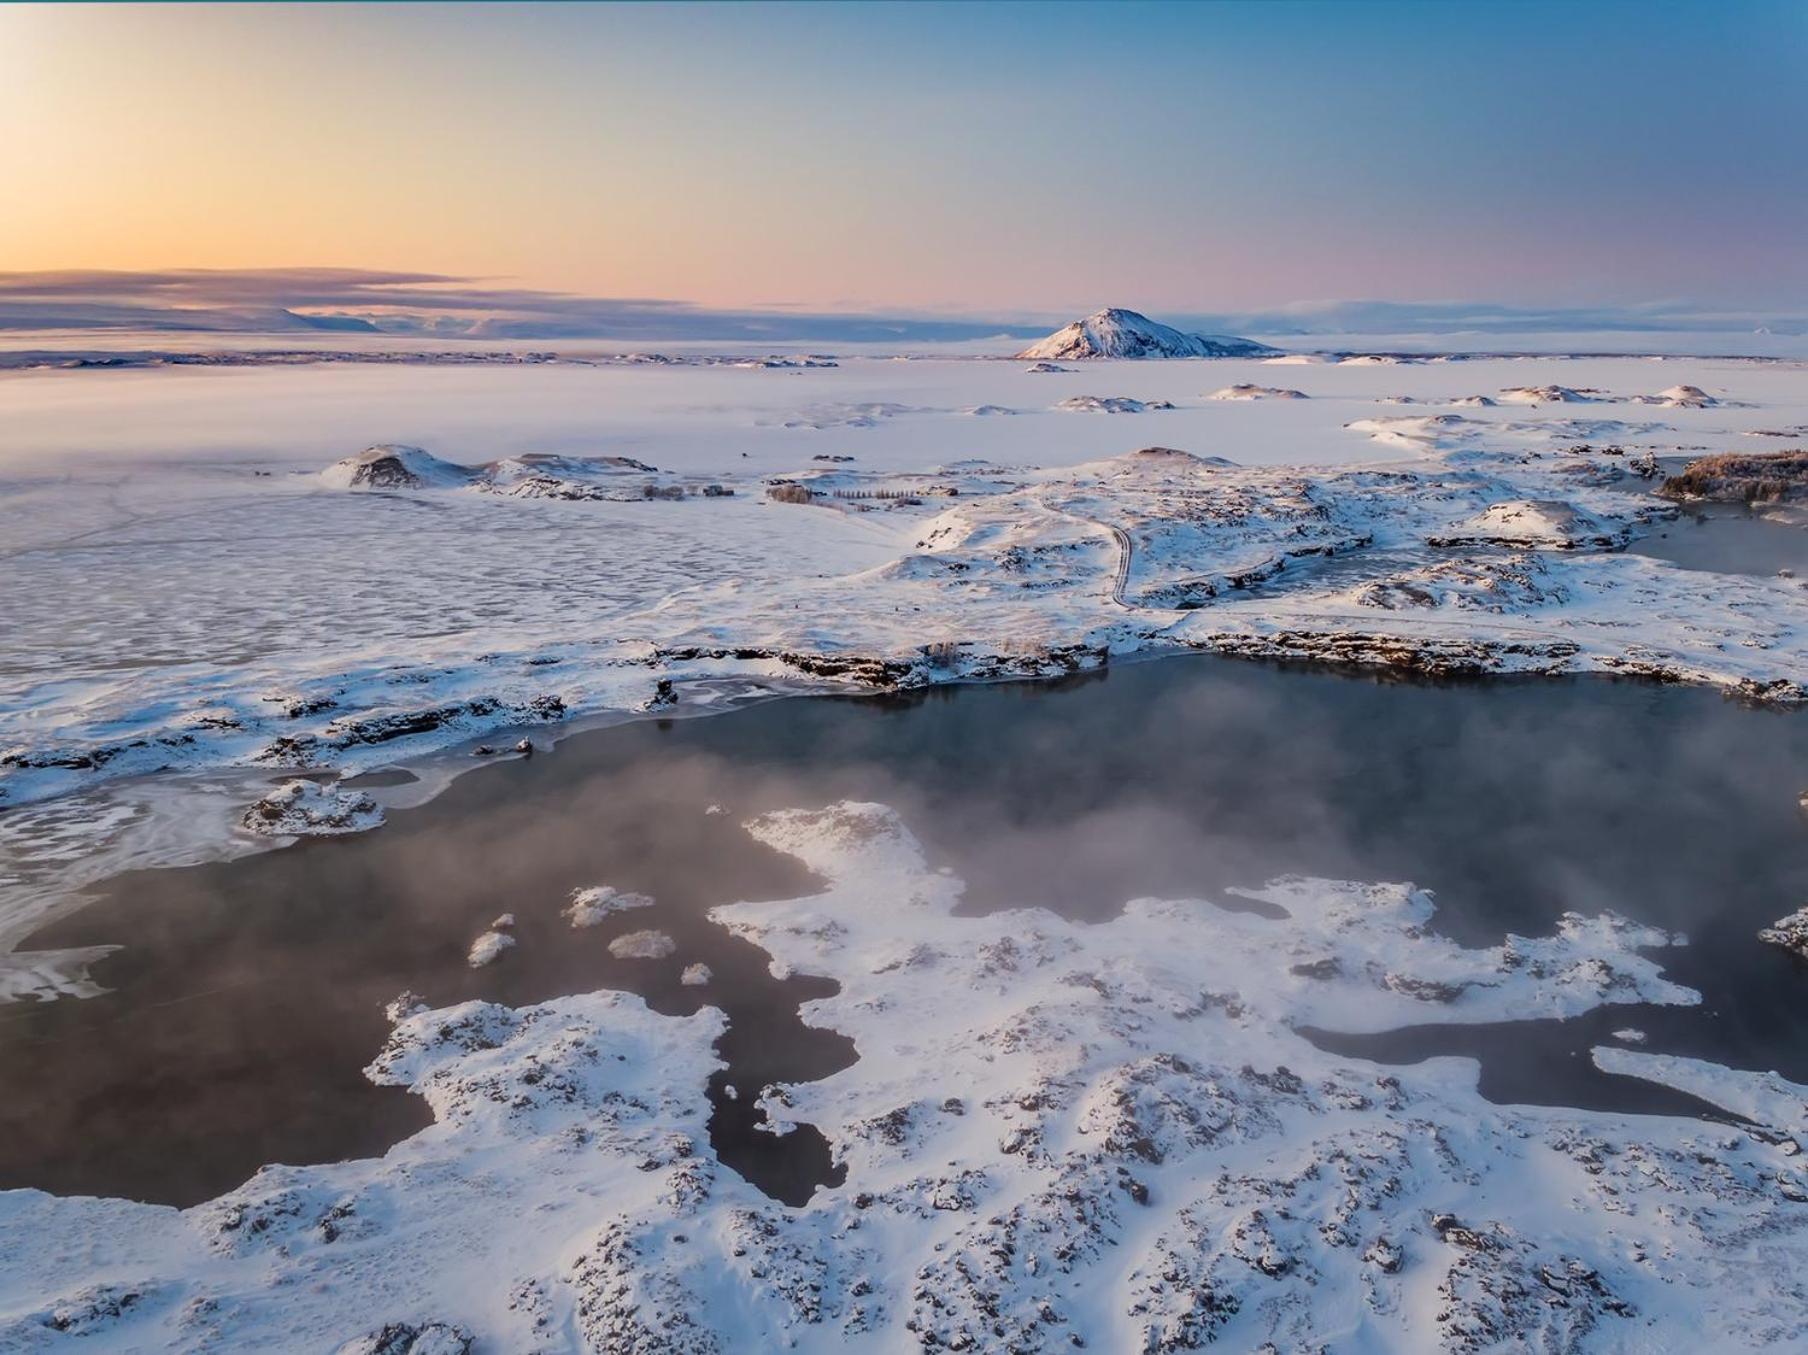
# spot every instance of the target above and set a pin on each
(926, 157)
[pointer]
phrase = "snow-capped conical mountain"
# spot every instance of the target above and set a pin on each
(1118, 333)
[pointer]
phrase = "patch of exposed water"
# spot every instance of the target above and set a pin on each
(247, 995)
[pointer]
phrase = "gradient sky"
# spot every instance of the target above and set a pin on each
(939, 158)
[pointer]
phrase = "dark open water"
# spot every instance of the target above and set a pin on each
(249, 993)
(1726, 539)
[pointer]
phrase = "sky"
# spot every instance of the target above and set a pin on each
(977, 159)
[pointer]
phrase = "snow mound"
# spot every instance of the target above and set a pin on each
(856, 414)
(1548, 395)
(1173, 456)
(1249, 391)
(1118, 333)
(1297, 360)
(1110, 404)
(302, 808)
(1422, 433)
(1680, 397)
(392, 465)
(1043, 368)
(1535, 523)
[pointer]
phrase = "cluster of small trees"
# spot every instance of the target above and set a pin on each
(789, 491)
(899, 495)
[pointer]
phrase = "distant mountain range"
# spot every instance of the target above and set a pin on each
(431, 305)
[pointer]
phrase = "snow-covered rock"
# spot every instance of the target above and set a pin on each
(664, 697)
(592, 905)
(642, 945)
(489, 946)
(1118, 333)
(1791, 933)
(303, 808)
(408, 1338)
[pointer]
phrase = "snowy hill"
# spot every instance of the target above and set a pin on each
(391, 465)
(1125, 334)
(531, 475)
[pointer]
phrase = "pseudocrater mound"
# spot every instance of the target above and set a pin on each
(1547, 524)
(1249, 391)
(1110, 404)
(529, 475)
(393, 465)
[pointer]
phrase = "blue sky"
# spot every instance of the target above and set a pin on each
(1200, 158)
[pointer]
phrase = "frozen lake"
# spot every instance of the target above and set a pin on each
(889, 413)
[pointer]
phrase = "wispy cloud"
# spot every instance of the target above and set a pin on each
(277, 300)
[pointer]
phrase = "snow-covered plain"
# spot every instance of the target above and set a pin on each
(700, 419)
(187, 591)
(1119, 1137)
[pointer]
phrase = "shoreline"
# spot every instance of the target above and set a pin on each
(434, 770)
